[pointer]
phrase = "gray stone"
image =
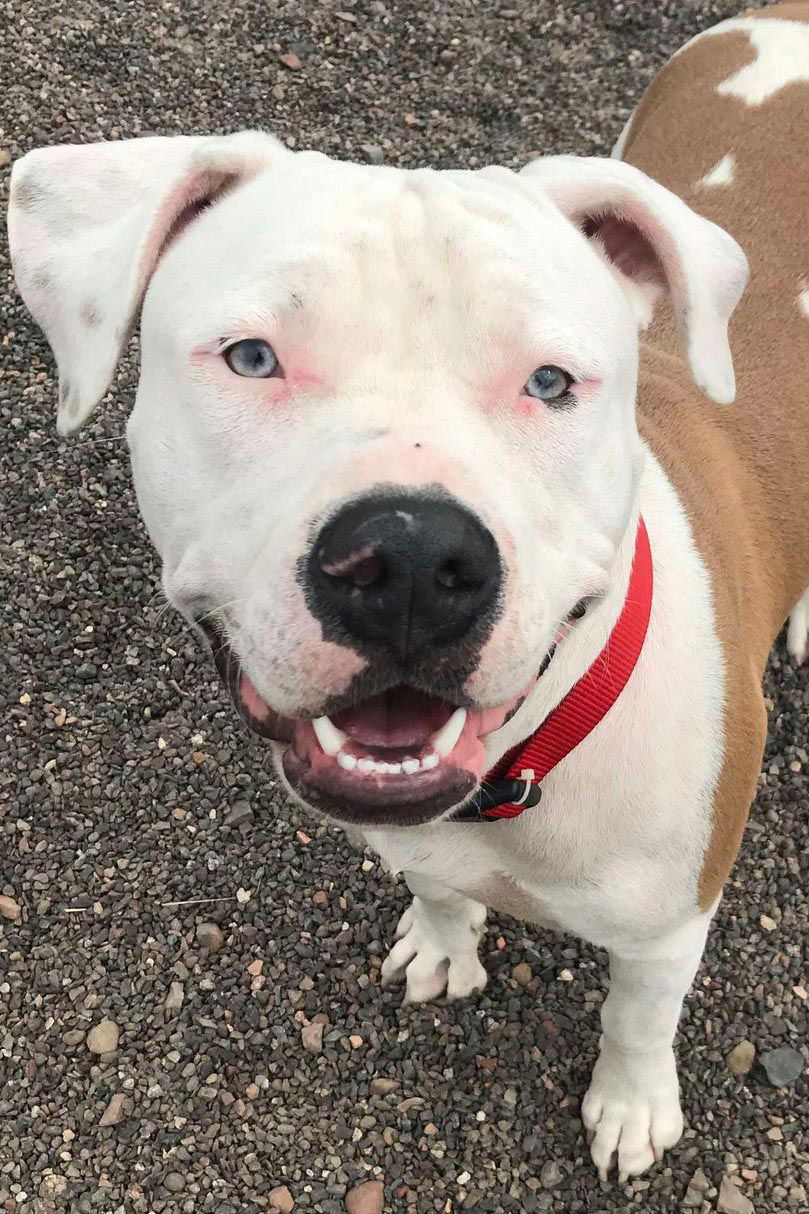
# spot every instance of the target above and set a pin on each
(783, 1065)
(239, 814)
(551, 1174)
(175, 997)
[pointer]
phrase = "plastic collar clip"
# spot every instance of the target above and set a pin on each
(489, 801)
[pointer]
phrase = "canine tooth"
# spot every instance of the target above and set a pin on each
(410, 766)
(366, 766)
(346, 761)
(331, 738)
(444, 740)
(430, 761)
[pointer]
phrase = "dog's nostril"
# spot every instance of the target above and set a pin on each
(362, 568)
(452, 575)
(370, 572)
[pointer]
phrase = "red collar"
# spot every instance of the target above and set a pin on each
(513, 784)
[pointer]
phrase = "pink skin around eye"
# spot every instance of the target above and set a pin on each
(297, 376)
(500, 391)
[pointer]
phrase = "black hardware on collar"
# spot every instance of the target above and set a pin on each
(484, 806)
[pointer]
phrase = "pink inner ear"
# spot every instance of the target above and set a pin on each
(627, 248)
(177, 212)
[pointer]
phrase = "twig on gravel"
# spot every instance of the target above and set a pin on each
(198, 901)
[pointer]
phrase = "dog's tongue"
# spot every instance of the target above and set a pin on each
(401, 717)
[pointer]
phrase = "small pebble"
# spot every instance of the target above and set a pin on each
(9, 908)
(732, 1200)
(366, 1198)
(312, 1037)
(209, 935)
(741, 1058)
(114, 1111)
(783, 1065)
(281, 1199)
(551, 1174)
(239, 814)
(175, 997)
(103, 1037)
(381, 1086)
(522, 973)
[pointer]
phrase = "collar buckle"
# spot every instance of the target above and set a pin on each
(498, 799)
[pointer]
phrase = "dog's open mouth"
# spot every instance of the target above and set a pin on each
(402, 756)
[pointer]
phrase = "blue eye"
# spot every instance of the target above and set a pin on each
(549, 383)
(252, 358)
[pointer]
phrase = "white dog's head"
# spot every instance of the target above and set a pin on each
(384, 438)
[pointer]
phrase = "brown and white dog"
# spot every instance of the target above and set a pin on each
(393, 437)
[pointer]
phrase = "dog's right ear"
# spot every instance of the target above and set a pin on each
(87, 225)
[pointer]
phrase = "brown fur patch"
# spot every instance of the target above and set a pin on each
(741, 471)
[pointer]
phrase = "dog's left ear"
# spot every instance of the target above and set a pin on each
(653, 238)
(87, 225)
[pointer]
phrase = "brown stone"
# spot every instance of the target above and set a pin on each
(366, 1198)
(114, 1111)
(281, 1199)
(9, 909)
(103, 1037)
(312, 1037)
(741, 1058)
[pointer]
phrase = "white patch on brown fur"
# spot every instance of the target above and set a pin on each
(803, 299)
(782, 57)
(798, 631)
(617, 152)
(722, 172)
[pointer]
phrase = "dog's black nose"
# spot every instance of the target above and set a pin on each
(404, 573)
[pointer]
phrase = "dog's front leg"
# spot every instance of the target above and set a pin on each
(632, 1107)
(436, 947)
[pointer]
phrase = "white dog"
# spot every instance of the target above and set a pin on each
(396, 448)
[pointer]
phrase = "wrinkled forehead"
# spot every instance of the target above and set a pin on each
(316, 244)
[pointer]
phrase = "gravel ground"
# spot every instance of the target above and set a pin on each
(142, 826)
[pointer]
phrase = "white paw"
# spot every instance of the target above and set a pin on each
(436, 952)
(798, 632)
(632, 1109)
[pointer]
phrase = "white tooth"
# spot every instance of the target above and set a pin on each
(366, 766)
(429, 762)
(444, 740)
(410, 766)
(393, 769)
(331, 738)
(347, 762)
